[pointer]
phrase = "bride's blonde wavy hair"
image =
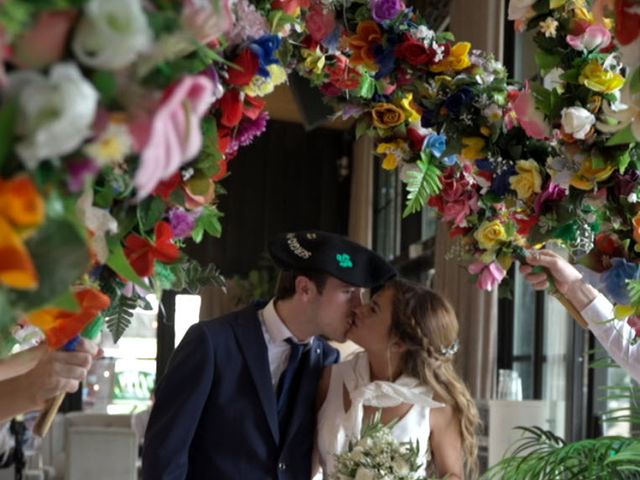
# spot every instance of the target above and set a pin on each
(426, 324)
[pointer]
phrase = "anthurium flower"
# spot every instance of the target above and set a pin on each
(142, 252)
(175, 136)
(59, 325)
(458, 59)
(595, 37)
(598, 79)
(530, 118)
(577, 121)
(409, 108)
(112, 34)
(490, 234)
(489, 276)
(528, 180)
(55, 113)
(362, 43)
(387, 115)
(394, 153)
(342, 75)
(231, 108)
(248, 64)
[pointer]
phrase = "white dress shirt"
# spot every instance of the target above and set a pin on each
(614, 335)
(275, 333)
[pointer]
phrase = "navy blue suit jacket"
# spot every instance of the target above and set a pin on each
(215, 412)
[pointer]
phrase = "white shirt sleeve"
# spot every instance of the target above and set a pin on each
(614, 335)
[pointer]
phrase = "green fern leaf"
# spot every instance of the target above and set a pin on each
(119, 315)
(422, 184)
(634, 292)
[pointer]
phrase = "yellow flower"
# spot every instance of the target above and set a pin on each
(394, 152)
(588, 176)
(623, 311)
(528, 180)
(261, 86)
(386, 115)
(490, 235)
(408, 107)
(457, 60)
(473, 148)
(557, 3)
(595, 77)
(314, 60)
(113, 145)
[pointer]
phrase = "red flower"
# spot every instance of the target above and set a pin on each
(248, 63)
(253, 107)
(142, 252)
(290, 6)
(525, 224)
(231, 107)
(627, 22)
(415, 52)
(342, 75)
(166, 187)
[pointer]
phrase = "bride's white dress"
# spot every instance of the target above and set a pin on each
(336, 427)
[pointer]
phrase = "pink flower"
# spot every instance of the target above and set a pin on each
(205, 22)
(320, 22)
(458, 198)
(46, 41)
(174, 135)
(595, 37)
(531, 120)
(489, 276)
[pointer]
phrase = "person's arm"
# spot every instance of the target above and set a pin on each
(614, 335)
(180, 398)
(21, 362)
(446, 443)
(55, 372)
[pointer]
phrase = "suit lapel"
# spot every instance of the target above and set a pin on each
(253, 347)
(307, 388)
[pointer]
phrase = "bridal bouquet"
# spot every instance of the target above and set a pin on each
(377, 455)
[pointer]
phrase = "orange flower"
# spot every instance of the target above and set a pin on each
(21, 207)
(636, 227)
(458, 59)
(367, 36)
(60, 326)
(386, 115)
(588, 176)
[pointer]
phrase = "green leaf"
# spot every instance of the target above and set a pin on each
(119, 263)
(190, 276)
(546, 61)
(208, 161)
(106, 83)
(66, 301)
(119, 315)
(92, 330)
(421, 184)
(623, 161)
(61, 257)
(209, 222)
(623, 137)
(8, 114)
(149, 212)
(633, 286)
(362, 127)
(634, 82)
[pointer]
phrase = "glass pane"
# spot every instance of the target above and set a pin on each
(387, 214)
(524, 305)
(429, 223)
(525, 370)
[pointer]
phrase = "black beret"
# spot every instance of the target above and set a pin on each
(332, 254)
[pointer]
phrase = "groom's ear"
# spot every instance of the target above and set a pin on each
(304, 287)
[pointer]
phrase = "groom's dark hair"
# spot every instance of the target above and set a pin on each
(286, 285)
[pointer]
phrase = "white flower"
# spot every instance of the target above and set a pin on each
(365, 474)
(99, 222)
(624, 113)
(112, 34)
(400, 466)
(549, 27)
(55, 113)
(553, 79)
(577, 121)
(632, 197)
(520, 9)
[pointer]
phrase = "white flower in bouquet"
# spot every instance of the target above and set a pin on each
(112, 34)
(577, 121)
(365, 474)
(55, 113)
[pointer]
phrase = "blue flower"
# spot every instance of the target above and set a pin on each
(455, 102)
(428, 118)
(265, 48)
(614, 280)
(436, 143)
(450, 160)
(500, 184)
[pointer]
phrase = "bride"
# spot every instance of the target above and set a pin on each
(409, 335)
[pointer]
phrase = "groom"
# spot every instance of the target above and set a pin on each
(237, 400)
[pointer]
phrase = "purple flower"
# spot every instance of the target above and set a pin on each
(182, 222)
(249, 130)
(455, 102)
(626, 184)
(79, 171)
(552, 193)
(385, 9)
(615, 279)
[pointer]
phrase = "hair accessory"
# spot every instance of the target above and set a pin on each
(451, 350)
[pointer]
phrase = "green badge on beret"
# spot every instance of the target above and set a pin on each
(344, 260)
